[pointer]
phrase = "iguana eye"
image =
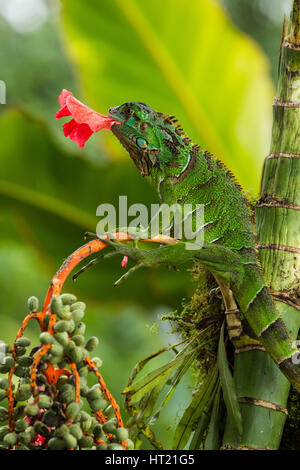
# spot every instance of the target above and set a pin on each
(142, 143)
(128, 111)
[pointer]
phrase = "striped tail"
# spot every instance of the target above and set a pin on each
(259, 310)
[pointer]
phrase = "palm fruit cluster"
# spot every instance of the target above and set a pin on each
(50, 403)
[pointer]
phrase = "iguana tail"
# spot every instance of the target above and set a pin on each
(258, 308)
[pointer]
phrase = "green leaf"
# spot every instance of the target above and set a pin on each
(141, 364)
(139, 388)
(228, 388)
(136, 390)
(202, 426)
(212, 438)
(193, 412)
(182, 369)
(188, 60)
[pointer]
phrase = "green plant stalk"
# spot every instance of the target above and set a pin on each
(277, 218)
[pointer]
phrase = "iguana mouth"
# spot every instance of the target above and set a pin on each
(140, 157)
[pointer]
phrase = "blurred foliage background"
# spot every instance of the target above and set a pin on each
(211, 63)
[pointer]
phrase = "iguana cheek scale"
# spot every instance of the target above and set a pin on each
(184, 173)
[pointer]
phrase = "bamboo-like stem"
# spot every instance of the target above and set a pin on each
(278, 221)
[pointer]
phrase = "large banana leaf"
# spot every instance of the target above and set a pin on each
(182, 57)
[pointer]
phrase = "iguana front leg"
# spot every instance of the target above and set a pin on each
(219, 260)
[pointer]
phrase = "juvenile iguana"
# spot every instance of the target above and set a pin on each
(184, 173)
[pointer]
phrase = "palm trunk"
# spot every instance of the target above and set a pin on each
(278, 223)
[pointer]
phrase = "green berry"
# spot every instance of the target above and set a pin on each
(20, 351)
(57, 350)
(84, 416)
(76, 354)
(31, 410)
(63, 380)
(70, 441)
(45, 401)
(77, 315)
(41, 428)
(97, 361)
(72, 410)
(61, 326)
(62, 431)
(23, 342)
(70, 346)
(92, 343)
(76, 431)
(3, 431)
(78, 305)
(68, 396)
(130, 444)
(83, 390)
(56, 444)
(109, 411)
(114, 447)
(71, 326)
(98, 404)
(79, 329)
(83, 371)
(78, 340)
(65, 313)
(33, 304)
(62, 338)
(24, 437)
(98, 431)
(56, 305)
(21, 425)
(68, 299)
(86, 442)
(46, 338)
(101, 447)
(3, 413)
(86, 425)
(23, 393)
(25, 361)
(4, 384)
(20, 371)
(30, 430)
(109, 427)
(10, 439)
(8, 361)
(121, 434)
(94, 392)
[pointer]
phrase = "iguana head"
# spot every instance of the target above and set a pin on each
(152, 139)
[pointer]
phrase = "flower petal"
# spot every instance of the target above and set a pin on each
(124, 262)
(64, 111)
(69, 126)
(81, 134)
(85, 115)
(85, 120)
(62, 99)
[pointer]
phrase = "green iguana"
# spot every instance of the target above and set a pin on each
(184, 173)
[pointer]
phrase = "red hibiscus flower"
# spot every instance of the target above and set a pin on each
(85, 121)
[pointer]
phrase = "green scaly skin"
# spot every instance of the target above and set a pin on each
(184, 173)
